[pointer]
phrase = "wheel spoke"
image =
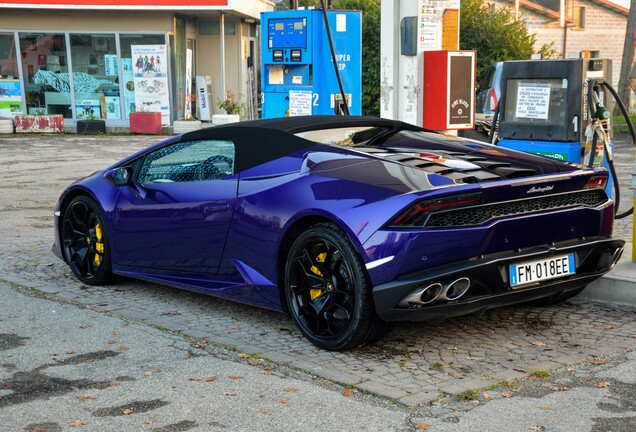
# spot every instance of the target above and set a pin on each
(336, 319)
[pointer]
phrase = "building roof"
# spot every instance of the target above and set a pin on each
(550, 8)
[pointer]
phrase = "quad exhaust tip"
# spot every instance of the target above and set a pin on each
(423, 295)
(427, 294)
(618, 253)
(455, 289)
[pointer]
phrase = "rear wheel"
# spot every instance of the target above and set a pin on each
(328, 290)
(85, 242)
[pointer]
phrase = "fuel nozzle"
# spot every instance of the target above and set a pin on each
(601, 112)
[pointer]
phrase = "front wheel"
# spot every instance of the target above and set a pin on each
(328, 291)
(85, 242)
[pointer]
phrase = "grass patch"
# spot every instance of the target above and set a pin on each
(468, 395)
(540, 374)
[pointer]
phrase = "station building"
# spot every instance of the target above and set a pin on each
(98, 59)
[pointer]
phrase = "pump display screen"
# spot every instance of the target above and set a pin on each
(287, 33)
(536, 101)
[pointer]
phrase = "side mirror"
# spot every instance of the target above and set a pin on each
(119, 176)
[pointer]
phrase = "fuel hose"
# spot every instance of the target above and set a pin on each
(608, 155)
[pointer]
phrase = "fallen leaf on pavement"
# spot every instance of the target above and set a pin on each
(70, 352)
(236, 377)
(243, 355)
(210, 379)
(537, 428)
(422, 426)
(538, 343)
(85, 398)
(264, 410)
(114, 384)
(348, 392)
(85, 326)
(556, 388)
(603, 384)
(291, 390)
(78, 423)
(253, 362)
(43, 373)
(506, 394)
(115, 332)
(266, 373)
(471, 358)
(195, 379)
(545, 408)
(158, 370)
(127, 411)
(284, 401)
(122, 348)
(147, 373)
(151, 421)
(598, 362)
(229, 394)
(486, 396)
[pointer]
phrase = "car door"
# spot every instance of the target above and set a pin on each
(177, 221)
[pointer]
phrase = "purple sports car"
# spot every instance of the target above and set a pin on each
(346, 223)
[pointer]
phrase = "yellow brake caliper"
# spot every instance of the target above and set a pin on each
(99, 246)
(315, 293)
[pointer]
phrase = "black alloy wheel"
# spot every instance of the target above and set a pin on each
(328, 290)
(85, 242)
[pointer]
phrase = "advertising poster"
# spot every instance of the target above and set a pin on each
(129, 86)
(151, 79)
(188, 86)
(10, 98)
(438, 25)
(110, 64)
(299, 103)
(533, 101)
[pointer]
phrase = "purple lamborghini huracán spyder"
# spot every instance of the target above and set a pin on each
(346, 223)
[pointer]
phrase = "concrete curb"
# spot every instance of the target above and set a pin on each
(618, 286)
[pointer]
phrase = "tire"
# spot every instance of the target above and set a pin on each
(85, 242)
(328, 291)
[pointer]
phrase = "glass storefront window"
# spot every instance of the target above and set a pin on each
(131, 66)
(45, 70)
(95, 76)
(10, 86)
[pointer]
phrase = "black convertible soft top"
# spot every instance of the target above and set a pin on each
(306, 123)
(261, 141)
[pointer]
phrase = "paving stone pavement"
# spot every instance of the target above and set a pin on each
(414, 364)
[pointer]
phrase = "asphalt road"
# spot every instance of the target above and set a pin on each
(136, 356)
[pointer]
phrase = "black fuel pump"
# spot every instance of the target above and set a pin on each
(561, 109)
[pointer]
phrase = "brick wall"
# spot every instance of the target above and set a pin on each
(604, 32)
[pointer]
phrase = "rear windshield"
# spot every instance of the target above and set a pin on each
(344, 136)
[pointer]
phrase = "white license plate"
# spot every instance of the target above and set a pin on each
(540, 270)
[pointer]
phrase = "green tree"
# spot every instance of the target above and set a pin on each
(495, 33)
(370, 51)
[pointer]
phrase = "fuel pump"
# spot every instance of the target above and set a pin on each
(297, 62)
(561, 109)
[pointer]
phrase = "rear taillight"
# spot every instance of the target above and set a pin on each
(418, 214)
(493, 100)
(597, 181)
